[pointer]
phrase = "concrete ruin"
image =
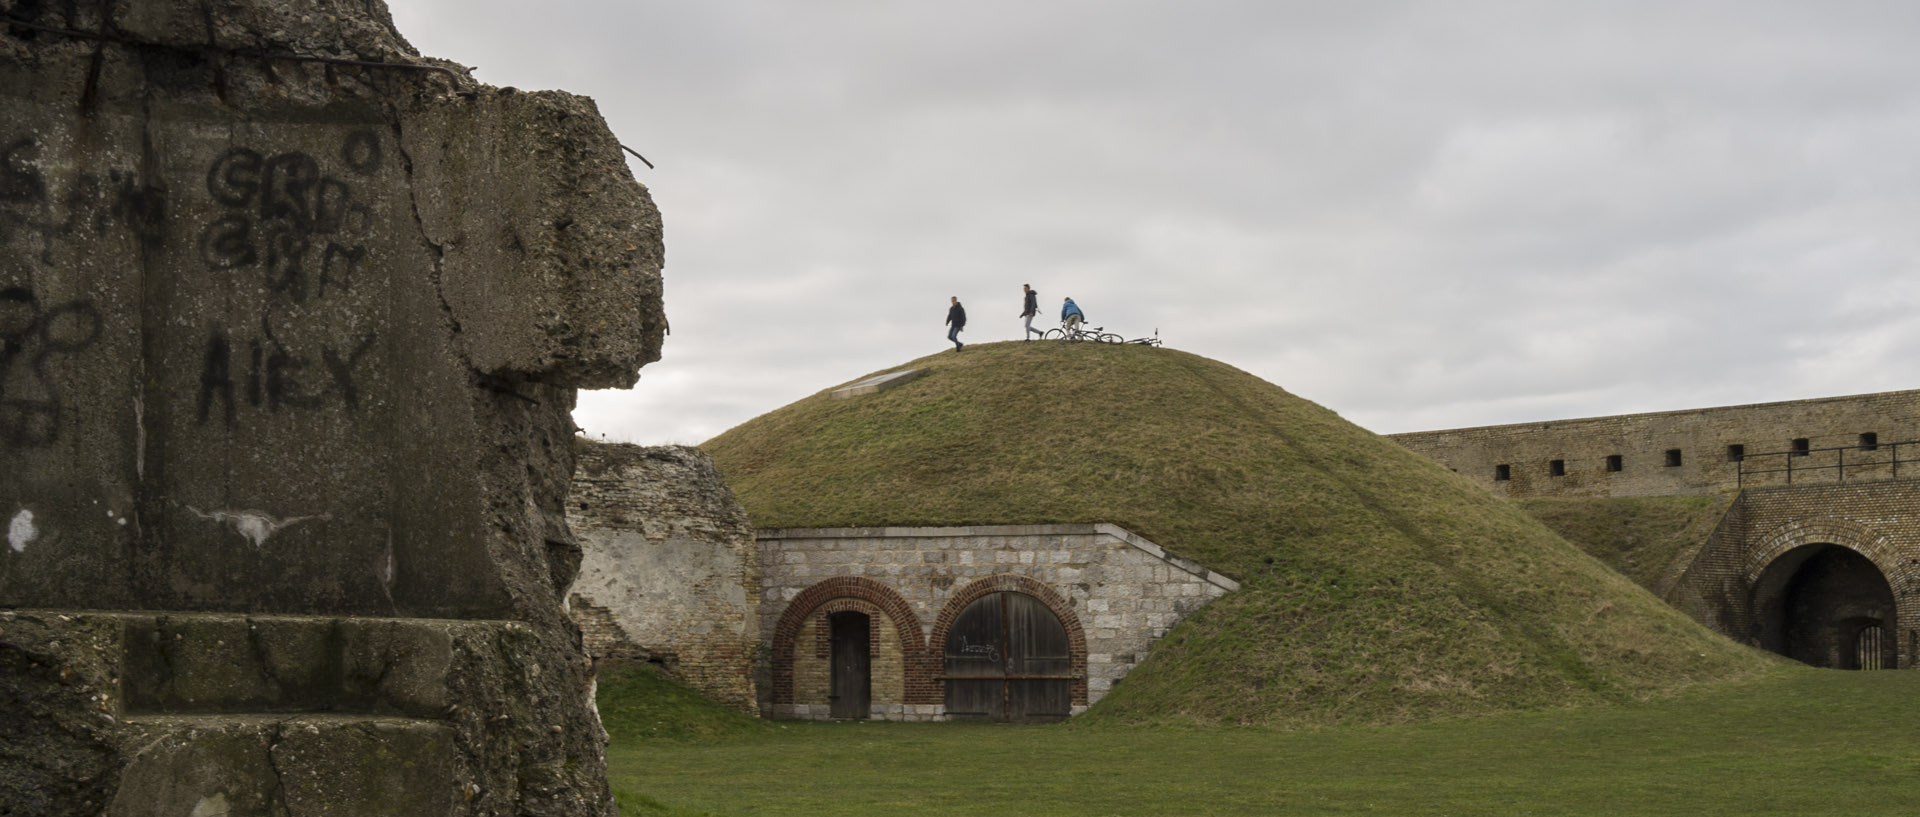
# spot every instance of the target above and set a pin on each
(291, 320)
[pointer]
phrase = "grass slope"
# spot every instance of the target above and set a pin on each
(639, 706)
(1377, 586)
(1638, 536)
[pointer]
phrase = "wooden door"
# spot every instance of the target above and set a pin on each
(1007, 660)
(851, 693)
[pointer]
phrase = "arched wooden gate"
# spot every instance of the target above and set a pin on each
(1007, 659)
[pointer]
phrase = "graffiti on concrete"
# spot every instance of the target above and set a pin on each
(33, 338)
(301, 229)
(274, 377)
(35, 211)
(303, 232)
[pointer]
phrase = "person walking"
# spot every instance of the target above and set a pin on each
(1031, 309)
(956, 318)
(1071, 316)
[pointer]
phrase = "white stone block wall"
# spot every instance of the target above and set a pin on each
(1126, 591)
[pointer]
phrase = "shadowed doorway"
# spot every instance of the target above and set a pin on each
(1827, 606)
(850, 692)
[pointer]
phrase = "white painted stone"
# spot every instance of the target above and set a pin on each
(877, 383)
(21, 531)
(213, 805)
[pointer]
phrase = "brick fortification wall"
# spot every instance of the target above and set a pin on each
(1702, 437)
(1782, 530)
(1115, 592)
(1734, 577)
(669, 570)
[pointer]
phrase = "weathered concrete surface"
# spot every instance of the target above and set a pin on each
(284, 710)
(671, 570)
(280, 336)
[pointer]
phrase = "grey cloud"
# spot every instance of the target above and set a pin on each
(1418, 214)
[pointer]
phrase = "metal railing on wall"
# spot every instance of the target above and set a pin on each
(1869, 456)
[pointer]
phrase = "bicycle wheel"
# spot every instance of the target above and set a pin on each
(1076, 337)
(1112, 338)
(1053, 334)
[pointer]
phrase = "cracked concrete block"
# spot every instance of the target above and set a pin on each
(558, 273)
(293, 343)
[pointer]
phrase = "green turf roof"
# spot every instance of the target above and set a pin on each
(1377, 586)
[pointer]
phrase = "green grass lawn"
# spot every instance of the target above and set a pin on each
(1799, 742)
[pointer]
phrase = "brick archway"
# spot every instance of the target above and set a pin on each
(1821, 531)
(913, 646)
(1777, 557)
(1003, 582)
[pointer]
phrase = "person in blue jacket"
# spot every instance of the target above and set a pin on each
(956, 318)
(1071, 316)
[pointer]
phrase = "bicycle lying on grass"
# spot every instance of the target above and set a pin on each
(1074, 333)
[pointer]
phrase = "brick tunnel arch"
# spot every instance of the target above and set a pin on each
(1825, 592)
(851, 593)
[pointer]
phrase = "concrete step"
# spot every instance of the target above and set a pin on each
(297, 766)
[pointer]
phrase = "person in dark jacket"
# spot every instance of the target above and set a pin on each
(1031, 309)
(956, 318)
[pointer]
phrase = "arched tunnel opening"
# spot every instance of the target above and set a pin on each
(1827, 606)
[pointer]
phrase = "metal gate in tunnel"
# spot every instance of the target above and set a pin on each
(1007, 659)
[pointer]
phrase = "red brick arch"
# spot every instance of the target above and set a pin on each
(979, 588)
(913, 646)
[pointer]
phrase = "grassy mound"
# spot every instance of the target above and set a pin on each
(1638, 536)
(1377, 586)
(638, 703)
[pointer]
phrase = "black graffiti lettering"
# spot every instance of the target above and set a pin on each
(19, 314)
(30, 338)
(287, 187)
(83, 206)
(96, 205)
(70, 327)
(20, 182)
(24, 207)
(142, 207)
(280, 207)
(255, 388)
(331, 199)
(228, 243)
(216, 379)
(342, 370)
(283, 384)
(356, 220)
(234, 178)
(337, 266)
(278, 378)
(361, 152)
(286, 250)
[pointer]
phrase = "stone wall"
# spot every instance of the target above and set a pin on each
(670, 572)
(1684, 452)
(1116, 592)
(288, 346)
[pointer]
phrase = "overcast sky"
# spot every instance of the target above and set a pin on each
(1421, 215)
